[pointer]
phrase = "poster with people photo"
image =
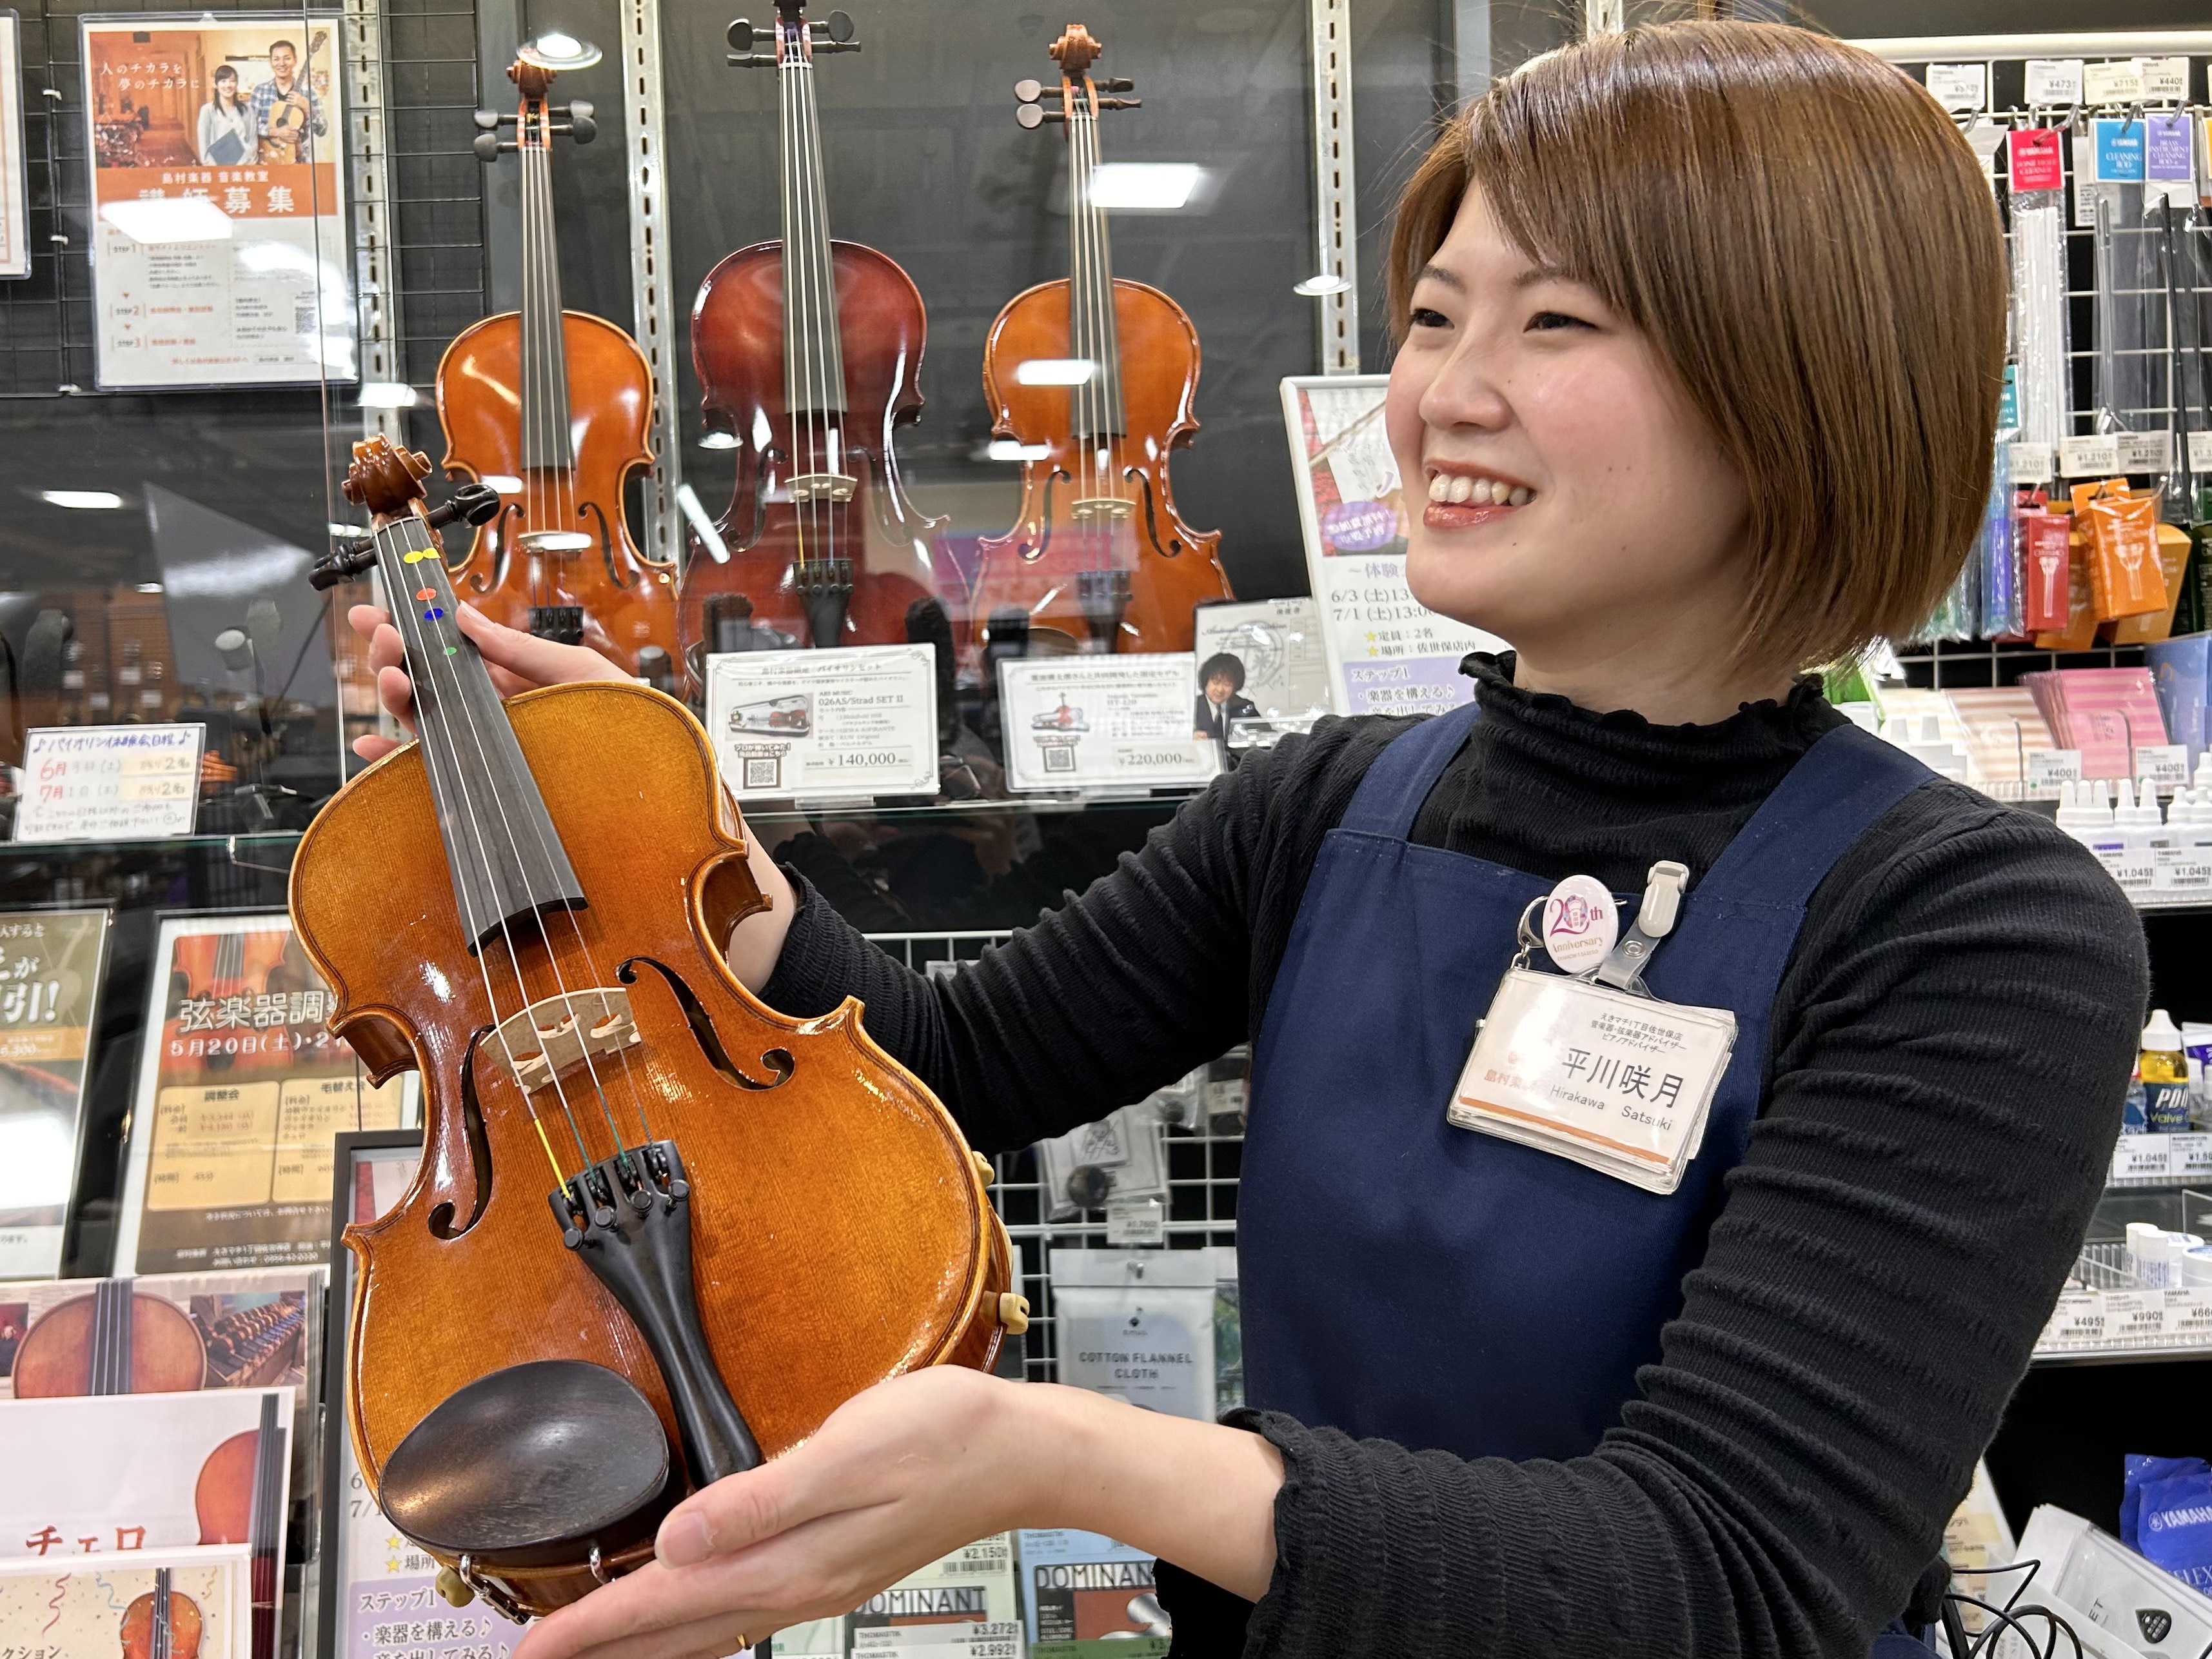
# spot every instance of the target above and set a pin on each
(241, 1089)
(220, 248)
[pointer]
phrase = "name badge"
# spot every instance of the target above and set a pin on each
(1615, 1080)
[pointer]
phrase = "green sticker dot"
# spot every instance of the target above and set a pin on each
(452, 651)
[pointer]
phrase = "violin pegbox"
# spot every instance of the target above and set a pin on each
(384, 477)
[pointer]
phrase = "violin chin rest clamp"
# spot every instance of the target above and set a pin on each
(453, 1590)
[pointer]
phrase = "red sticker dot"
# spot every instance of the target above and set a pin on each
(426, 593)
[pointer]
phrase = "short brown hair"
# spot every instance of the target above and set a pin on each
(1807, 240)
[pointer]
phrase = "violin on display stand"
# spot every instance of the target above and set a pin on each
(1094, 375)
(551, 407)
(807, 351)
(658, 1231)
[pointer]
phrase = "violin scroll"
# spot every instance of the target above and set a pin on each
(536, 121)
(387, 480)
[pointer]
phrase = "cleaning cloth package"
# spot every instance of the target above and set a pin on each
(2166, 1516)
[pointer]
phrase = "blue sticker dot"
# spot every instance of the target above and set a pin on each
(432, 614)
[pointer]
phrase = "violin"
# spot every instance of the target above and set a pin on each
(237, 1499)
(163, 1624)
(1094, 376)
(116, 1340)
(658, 1231)
(807, 351)
(551, 409)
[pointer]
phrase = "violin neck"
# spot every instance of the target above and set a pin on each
(813, 356)
(546, 443)
(1091, 335)
(505, 857)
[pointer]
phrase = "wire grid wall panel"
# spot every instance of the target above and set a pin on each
(1203, 1167)
(46, 317)
(1962, 663)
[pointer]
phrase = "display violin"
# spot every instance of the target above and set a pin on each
(807, 351)
(163, 1624)
(116, 1340)
(658, 1231)
(552, 407)
(1100, 554)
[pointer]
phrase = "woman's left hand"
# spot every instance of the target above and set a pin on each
(900, 1475)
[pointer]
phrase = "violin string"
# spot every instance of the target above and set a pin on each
(556, 358)
(1097, 540)
(1078, 324)
(533, 391)
(825, 312)
(806, 186)
(552, 955)
(796, 363)
(1120, 525)
(429, 660)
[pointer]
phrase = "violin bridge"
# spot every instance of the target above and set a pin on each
(1101, 507)
(824, 486)
(553, 1036)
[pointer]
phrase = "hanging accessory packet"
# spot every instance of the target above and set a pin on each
(2125, 577)
(1593, 1068)
(2165, 1514)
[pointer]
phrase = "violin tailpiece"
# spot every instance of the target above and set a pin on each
(630, 1218)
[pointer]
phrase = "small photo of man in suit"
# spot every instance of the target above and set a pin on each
(1220, 677)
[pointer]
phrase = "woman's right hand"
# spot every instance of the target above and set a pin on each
(518, 661)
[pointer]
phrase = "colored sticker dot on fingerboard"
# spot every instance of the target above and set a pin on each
(426, 594)
(435, 613)
(416, 557)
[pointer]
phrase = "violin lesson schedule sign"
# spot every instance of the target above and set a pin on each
(50, 974)
(1388, 652)
(856, 722)
(221, 245)
(241, 1089)
(109, 782)
(1105, 723)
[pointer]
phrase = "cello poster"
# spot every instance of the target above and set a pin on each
(99, 1607)
(49, 963)
(219, 243)
(240, 1089)
(1388, 652)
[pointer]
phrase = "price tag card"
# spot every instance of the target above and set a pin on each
(2049, 768)
(2143, 1157)
(1136, 1221)
(2200, 452)
(2111, 83)
(1960, 87)
(2135, 1316)
(2054, 80)
(2182, 870)
(2078, 1321)
(2162, 763)
(2032, 463)
(2192, 1155)
(2142, 452)
(2089, 457)
(109, 782)
(2164, 80)
(1121, 722)
(2188, 1318)
(860, 720)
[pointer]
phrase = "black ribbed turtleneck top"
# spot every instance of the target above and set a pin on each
(1948, 1052)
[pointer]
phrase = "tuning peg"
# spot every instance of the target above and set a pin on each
(740, 34)
(1028, 90)
(472, 503)
(1115, 83)
(581, 125)
(838, 27)
(487, 146)
(488, 119)
(1120, 103)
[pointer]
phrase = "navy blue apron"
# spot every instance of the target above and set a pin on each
(1423, 1284)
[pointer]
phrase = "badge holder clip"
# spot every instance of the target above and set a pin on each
(1593, 1067)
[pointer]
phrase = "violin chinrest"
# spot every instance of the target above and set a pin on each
(531, 1464)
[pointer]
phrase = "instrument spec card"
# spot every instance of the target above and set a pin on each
(109, 782)
(852, 723)
(1120, 722)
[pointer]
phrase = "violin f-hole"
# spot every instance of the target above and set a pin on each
(1152, 521)
(472, 1125)
(778, 1060)
(592, 509)
(1036, 550)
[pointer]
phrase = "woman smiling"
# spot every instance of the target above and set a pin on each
(1702, 334)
